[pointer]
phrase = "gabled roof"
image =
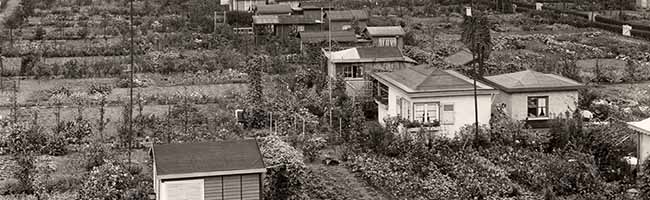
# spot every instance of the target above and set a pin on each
(532, 81)
(378, 31)
(346, 15)
(283, 19)
(339, 36)
(273, 9)
(315, 5)
(207, 157)
(462, 57)
(424, 78)
(642, 126)
(368, 54)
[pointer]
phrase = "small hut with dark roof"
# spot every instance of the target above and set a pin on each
(215, 170)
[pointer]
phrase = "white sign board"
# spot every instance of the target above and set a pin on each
(626, 30)
(468, 11)
(225, 2)
(538, 6)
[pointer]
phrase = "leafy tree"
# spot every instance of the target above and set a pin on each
(72, 69)
(40, 33)
(24, 145)
(101, 92)
(83, 32)
(81, 101)
(476, 37)
(108, 181)
(254, 68)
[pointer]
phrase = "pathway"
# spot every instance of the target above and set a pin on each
(340, 178)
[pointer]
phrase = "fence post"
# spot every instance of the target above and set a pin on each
(303, 126)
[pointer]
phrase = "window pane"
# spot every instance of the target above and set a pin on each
(541, 102)
(448, 107)
(347, 72)
(432, 112)
(532, 102)
(419, 112)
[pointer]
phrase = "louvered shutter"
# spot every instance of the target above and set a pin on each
(448, 115)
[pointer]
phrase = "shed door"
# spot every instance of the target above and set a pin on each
(182, 190)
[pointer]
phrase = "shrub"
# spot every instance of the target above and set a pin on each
(312, 147)
(285, 178)
(63, 183)
(108, 181)
(74, 131)
(95, 155)
(55, 145)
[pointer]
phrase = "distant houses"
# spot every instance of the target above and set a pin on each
(215, 170)
(244, 5)
(535, 97)
(354, 64)
(342, 20)
(340, 38)
(315, 9)
(385, 36)
(272, 9)
(279, 25)
(441, 100)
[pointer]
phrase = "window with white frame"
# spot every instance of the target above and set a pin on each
(300, 28)
(387, 42)
(346, 27)
(353, 71)
(403, 108)
(538, 106)
(426, 112)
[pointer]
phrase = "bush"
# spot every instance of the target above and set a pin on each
(95, 155)
(74, 131)
(286, 177)
(108, 181)
(312, 147)
(55, 145)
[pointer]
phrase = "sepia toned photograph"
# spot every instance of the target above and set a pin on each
(324, 100)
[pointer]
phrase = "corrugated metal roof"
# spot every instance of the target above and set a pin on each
(207, 157)
(344, 15)
(423, 78)
(379, 52)
(297, 19)
(368, 54)
(529, 80)
(265, 19)
(385, 31)
(339, 36)
(283, 19)
(463, 57)
(311, 5)
(273, 9)
(642, 126)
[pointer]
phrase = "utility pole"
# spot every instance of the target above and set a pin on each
(329, 33)
(131, 71)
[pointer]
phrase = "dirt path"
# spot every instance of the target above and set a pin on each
(339, 177)
(11, 6)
